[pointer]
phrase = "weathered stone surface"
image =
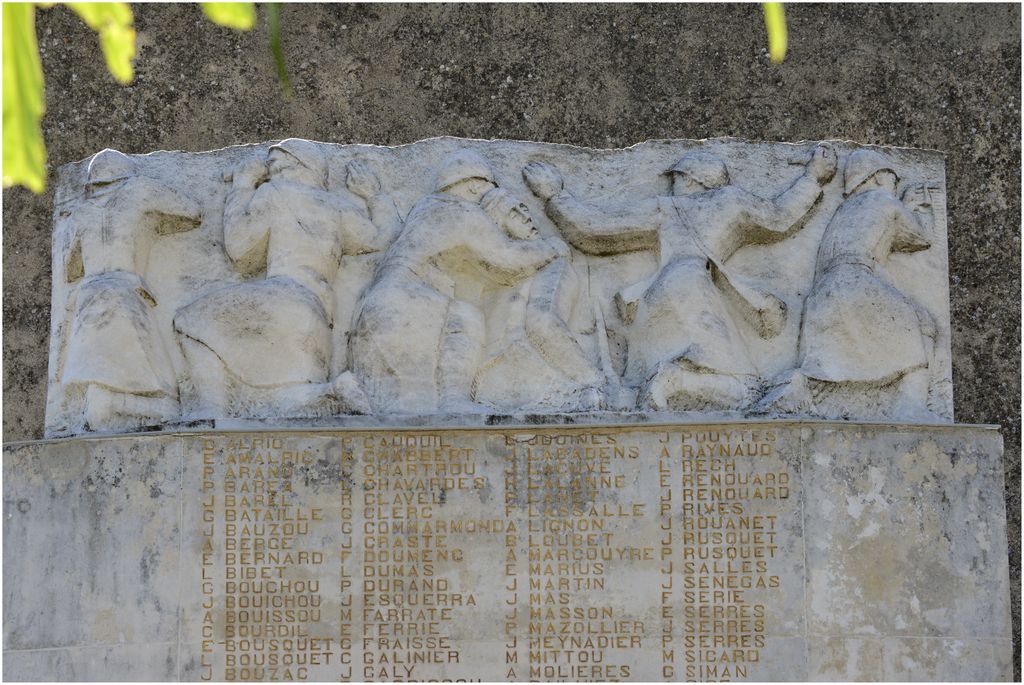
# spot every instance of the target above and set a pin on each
(303, 280)
(922, 659)
(939, 76)
(128, 662)
(818, 550)
(879, 484)
(75, 507)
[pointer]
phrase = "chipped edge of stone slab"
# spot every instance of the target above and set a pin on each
(655, 141)
(477, 422)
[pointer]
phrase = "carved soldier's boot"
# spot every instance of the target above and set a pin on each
(591, 399)
(109, 411)
(343, 395)
(789, 393)
(350, 395)
(676, 386)
(912, 398)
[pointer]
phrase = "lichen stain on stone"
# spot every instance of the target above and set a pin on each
(871, 488)
(850, 659)
(152, 532)
(105, 627)
(929, 460)
(148, 564)
(66, 467)
(873, 564)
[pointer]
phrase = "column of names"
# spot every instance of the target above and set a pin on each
(409, 601)
(725, 550)
(544, 556)
(574, 537)
(272, 592)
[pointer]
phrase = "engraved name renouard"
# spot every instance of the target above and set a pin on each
(515, 555)
(304, 280)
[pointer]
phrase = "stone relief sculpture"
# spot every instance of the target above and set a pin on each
(427, 289)
(115, 370)
(860, 335)
(685, 346)
(262, 347)
(524, 278)
(539, 361)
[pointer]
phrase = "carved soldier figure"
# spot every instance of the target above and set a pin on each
(537, 362)
(116, 372)
(419, 334)
(858, 331)
(264, 345)
(685, 346)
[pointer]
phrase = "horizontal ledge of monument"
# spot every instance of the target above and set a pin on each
(485, 423)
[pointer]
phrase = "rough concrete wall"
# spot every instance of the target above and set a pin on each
(936, 76)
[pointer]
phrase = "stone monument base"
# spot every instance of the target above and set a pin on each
(725, 551)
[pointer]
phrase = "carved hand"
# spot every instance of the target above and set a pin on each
(544, 180)
(248, 173)
(361, 180)
(823, 163)
(772, 317)
(918, 198)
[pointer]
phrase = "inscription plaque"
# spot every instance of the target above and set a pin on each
(567, 554)
(728, 552)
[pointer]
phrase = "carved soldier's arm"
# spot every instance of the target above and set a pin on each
(246, 229)
(362, 233)
(359, 233)
(605, 231)
(914, 220)
(599, 231)
(912, 234)
(176, 211)
(509, 261)
(764, 220)
(384, 215)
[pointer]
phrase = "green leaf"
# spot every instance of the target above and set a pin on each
(234, 15)
(274, 25)
(24, 101)
(113, 21)
(775, 22)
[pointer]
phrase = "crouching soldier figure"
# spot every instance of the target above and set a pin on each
(263, 347)
(685, 349)
(115, 368)
(419, 336)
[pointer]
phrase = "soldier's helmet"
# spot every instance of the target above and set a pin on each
(703, 167)
(306, 153)
(109, 165)
(861, 165)
(460, 166)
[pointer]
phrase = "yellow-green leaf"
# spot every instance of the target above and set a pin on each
(24, 101)
(113, 22)
(234, 15)
(775, 22)
(276, 49)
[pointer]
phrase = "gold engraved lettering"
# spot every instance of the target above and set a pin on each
(725, 551)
